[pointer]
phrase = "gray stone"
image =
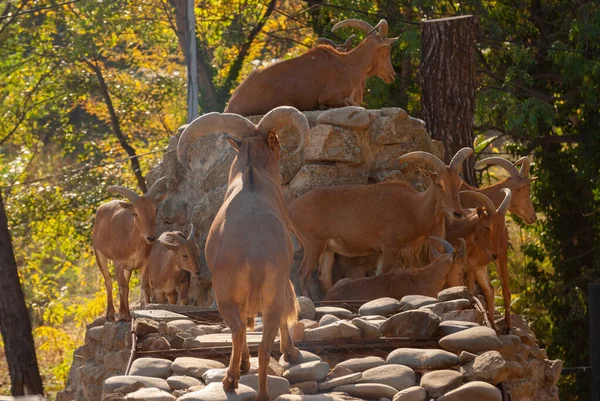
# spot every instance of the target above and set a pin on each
(113, 383)
(397, 376)
(353, 117)
(368, 330)
(367, 390)
(308, 371)
(362, 364)
(552, 370)
(309, 388)
(335, 311)
(214, 375)
(489, 367)
(466, 357)
(418, 359)
(306, 309)
(339, 381)
(215, 392)
(474, 340)
(380, 306)
(440, 382)
(151, 367)
(276, 385)
(305, 356)
(319, 397)
(460, 292)
(157, 314)
(319, 175)
(420, 323)
(409, 302)
(415, 393)
(510, 345)
(327, 319)
(143, 327)
(95, 333)
(182, 382)
(176, 326)
(332, 144)
(195, 367)
(448, 306)
(454, 326)
(337, 330)
(467, 315)
(474, 391)
(339, 371)
(210, 328)
(150, 394)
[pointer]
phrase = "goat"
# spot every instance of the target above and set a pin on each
(342, 48)
(484, 230)
(321, 77)
(386, 217)
(429, 280)
(519, 184)
(172, 258)
(249, 248)
(124, 232)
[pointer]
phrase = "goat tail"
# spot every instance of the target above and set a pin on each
(290, 315)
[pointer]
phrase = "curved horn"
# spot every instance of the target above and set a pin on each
(191, 234)
(278, 117)
(157, 187)
(383, 28)
(525, 162)
(505, 164)
(233, 124)
(420, 156)
(482, 199)
(126, 192)
(353, 23)
(325, 41)
(506, 202)
(460, 157)
(447, 246)
(348, 42)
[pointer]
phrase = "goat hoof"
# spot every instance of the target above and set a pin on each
(295, 355)
(245, 366)
(109, 317)
(124, 318)
(230, 383)
(263, 397)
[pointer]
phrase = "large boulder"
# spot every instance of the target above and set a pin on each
(418, 359)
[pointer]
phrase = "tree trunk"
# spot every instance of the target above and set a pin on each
(14, 321)
(448, 84)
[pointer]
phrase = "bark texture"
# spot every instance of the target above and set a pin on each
(448, 83)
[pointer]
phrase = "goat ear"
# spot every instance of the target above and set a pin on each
(125, 205)
(169, 241)
(480, 211)
(235, 144)
(273, 142)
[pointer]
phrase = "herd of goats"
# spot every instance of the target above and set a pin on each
(249, 247)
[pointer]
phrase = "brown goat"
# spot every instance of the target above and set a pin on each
(386, 217)
(171, 261)
(519, 184)
(484, 230)
(249, 248)
(123, 232)
(321, 77)
(447, 269)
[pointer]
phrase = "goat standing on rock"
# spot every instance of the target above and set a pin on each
(249, 248)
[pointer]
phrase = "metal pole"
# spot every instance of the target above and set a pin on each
(192, 81)
(594, 316)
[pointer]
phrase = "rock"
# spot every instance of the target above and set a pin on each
(113, 383)
(324, 175)
(182, 382)
(440, 382)
(474, 391)
(306, 309)
(145, 326)
(214, 375)
(415, 393)
(95, 333)
(410, 302)
(195, 367)
(467, 315)
(451, 293)
(339, 371)
(466, 357)
(327, 319)
(273, 369)
(157, 314)
(305, 356)
(367, 390)
(510, 346)
(176, 326)
(308, 388)
(215, 392)
(150, 394)
(552, 370)
(489, 367)
(194, 332)
(340, 313)
(210, 329)
(395, 127)
(276, 385)
(332, 144)
(413, 324)
(380, 306)
(309, 324)
(397, 376)
(337, 330)
(99, 321)
(368, 330)
(163, 328)
(454, 326)
(474, 340)
(419, 359)
(339, 381)
(352, 117)
(307, 371)
(151, 367)
(362, 364)
(448, 306)
(156, 344)
(319, 397)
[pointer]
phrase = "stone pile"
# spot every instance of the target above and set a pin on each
(471, 363)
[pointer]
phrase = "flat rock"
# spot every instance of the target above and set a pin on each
(453, 326)
(336, 330)
(367, 390)
(224, 339)
(440, 308)
(195, 367)
(339, 381)
(418, 359)
(410, 302)
(182, 382)
(489, 367)
(420, 323)
(474, 340)
(319, 397)
(210, 328)
(143, 327)
(151, 367)
(339, 371)
(467, 315)
(380, 306)
(305, 356)
(179, 325)
(466, 357)
(368, 330)
(415, 393)
(157, 314)
(474, 391)
(274, 368)
(362, 364)
(215, 392)
(397, 376)
(150, 394)
(113, 383)
(308, 371)
(460, 292)
(335, 311)
(439, 382)
(353, 117)
(309, 324)
(327, 319)
(214, 375)
(276, 385)
(307, 388)
(306, 309)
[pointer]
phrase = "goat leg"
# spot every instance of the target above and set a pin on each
(270, 326)
(231, 315)
(245, 364)
(290, 353)
(123, 276)
(325, 267)
(488, 292)
(103, 265)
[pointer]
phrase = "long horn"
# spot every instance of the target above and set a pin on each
(348, 42)
(233, 124)
(274, 120)
(191, 234)
(460, 157)
(525, 162)
(325, 41)
(383, 28)
(505, 164)
(506, 202)
(353, 23)
(447, 246)
(157, 187)
(420, 156)
(482, 199)
(126, 192)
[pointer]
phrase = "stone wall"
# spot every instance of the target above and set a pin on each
(350, 145)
